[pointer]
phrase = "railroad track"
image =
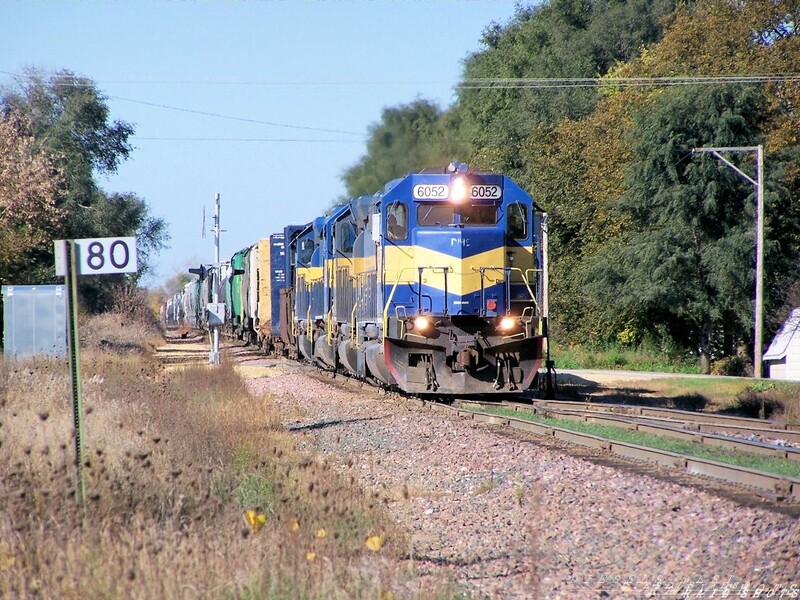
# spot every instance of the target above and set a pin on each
(690, 419)
(708, 430)
(752, 436)
(775, 486)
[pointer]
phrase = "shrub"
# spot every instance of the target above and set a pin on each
(752, 403)
(733, 366)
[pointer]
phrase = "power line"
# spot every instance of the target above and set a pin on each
(231, 118)
(248, 82)
(581, 82)
(82, 82)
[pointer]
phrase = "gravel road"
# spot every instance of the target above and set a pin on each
(510, 518)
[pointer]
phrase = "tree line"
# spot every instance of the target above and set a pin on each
(56, 136)
(594, 106)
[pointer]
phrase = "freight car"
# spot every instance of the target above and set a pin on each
(435, 285)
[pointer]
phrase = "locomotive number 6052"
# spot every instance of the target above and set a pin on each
(431, 192)
(485, 192)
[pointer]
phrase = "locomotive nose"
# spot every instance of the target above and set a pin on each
(466, 250)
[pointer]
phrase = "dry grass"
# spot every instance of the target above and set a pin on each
(120, 332)
(172, 460)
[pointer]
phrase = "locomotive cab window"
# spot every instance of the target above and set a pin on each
(434, 215)
(345, 237)
(306, 251)
(477, 214)
(517, 221)
(442, 215)
(397, 221)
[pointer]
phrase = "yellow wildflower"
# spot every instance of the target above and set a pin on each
(256, 520)
(374, 543)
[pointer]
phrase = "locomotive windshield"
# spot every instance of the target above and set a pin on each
(306, 251)
(442, 215)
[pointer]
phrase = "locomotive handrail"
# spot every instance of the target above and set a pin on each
(388, 301)
(506, 271)
(329, 327)
(533, 271)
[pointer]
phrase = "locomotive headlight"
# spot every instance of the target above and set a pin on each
(507, 323)
(422, 323)
(458, 190)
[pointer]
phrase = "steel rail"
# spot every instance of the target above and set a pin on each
(670, 412)
(673, 431)
(779, 486)
(702, 424)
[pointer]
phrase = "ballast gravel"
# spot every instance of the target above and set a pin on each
(509, 518)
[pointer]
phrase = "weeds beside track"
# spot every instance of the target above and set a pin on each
(194, 490)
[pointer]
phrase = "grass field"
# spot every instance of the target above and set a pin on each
(728, 395)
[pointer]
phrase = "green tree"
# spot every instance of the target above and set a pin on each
(687, 260)
(722, 37)
(70, 118)
(563, 39)
(408, 138)
(70, 121)
(577, 171)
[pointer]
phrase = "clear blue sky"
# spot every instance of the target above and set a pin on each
(299, 83)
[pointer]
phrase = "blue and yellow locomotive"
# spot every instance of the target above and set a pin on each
(434, 285)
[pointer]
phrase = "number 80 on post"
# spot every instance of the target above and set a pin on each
(99, 256)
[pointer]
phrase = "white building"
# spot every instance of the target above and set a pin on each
(783, 355)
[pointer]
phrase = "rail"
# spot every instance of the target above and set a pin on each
(779, 486)
(679, 430)
(687, 415)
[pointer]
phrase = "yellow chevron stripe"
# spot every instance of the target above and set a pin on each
(463, 276)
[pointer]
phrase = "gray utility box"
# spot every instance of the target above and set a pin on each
(216, 314)
(34, 320)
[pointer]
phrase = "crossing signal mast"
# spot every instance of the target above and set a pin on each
(215, 311)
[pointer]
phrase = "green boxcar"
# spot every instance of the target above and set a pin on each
(236, 283)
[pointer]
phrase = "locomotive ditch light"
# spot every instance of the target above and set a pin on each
(507, 324)
(422, 323)
(458, 190)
